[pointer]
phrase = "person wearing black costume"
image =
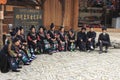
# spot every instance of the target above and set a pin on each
(43, 44)
(104, 40)
(91, 35)
(22, 47)
(62, 39)
(22, 34)
(82, 39)
(71, 40)
(4, 64)
(52, 38)
(32, 41)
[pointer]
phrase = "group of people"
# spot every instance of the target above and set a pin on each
(20, 49)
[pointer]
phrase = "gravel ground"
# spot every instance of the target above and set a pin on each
(72, 66)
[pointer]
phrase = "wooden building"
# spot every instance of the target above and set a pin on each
(59, 12)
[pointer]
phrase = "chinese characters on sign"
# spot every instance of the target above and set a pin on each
(27, 17)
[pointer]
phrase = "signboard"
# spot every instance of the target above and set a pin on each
(27, 17)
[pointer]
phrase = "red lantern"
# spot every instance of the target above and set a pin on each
(3, 1)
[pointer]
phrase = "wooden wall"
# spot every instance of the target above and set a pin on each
(53, 13)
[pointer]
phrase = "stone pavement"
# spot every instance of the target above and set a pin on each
(71, 66)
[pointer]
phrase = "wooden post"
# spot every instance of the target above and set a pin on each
(1, 25)
(75, 14)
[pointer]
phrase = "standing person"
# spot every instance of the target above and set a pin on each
(71, 40)
(91, 35)
(62, 39)
(104, 40)
(82, 39)
(52, 38)
(43, 44)
(32, 41)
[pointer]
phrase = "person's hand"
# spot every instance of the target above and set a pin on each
(19, 55)
(35, 41)
(23, 47)
(61, 42)
(53, 39)
(89, 39)
(81, 40)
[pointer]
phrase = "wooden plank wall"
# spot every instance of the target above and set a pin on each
(53, 13)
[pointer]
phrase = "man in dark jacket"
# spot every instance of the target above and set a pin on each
(82, 39)
(91, 35)
(104, 40)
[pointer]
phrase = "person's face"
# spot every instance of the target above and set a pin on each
(91, 29)
(18, 33)
(104, 31)
(83, 30)
(33, 30)
(22, 31)
(62, 30)
(53, 28)
(17, 43)
(70, 32)
(41, 30)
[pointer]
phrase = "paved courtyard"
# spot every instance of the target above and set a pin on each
(71, 66)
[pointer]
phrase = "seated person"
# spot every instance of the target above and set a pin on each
(104, 40)
(52, 38)
(32, 41)
(12, 56)
(43, 44)
(71, 40)
(24, 44)
(91, 35)
(82, 39)
(62, 39)
(22, 36)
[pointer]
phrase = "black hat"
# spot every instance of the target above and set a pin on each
(13, 32)
(61, 27)
(32, 27)
(83, 28)
(21, 27)
(41, 26)
(52, 25)
(104, 28)
(17, 29)
(71, 30)
(15, 40)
